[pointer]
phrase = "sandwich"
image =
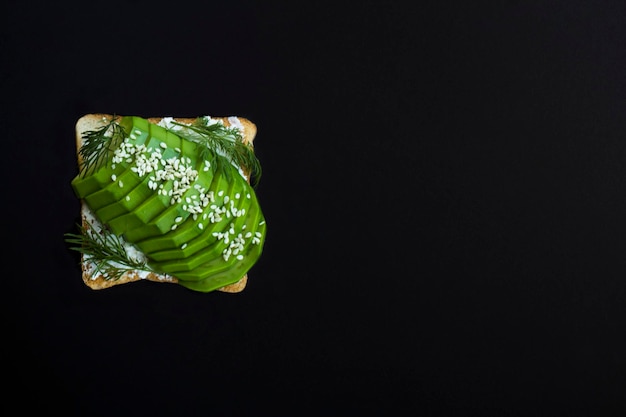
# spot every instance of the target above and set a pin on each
(167, 200)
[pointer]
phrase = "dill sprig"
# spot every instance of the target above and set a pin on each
(223, 146)
(99, 144)
(106, 250)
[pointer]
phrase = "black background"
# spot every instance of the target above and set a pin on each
(444, 186)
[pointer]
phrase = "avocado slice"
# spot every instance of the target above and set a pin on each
(149, 224)
(145, 204)
(190, 230)
(214, 244)
(229, 275)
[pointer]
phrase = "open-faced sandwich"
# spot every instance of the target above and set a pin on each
(168, 200)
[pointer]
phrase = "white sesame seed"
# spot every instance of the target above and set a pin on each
(184, 245)
(220, 193)
(262, 223)
(239, 257)
(237, 196)
(174, 226)
(121, 184)
(133, 136)
(127, 198)
(200, 226)
(178, 219)
(113, 177)
(248, 195)
(248, 235)
(163, 145)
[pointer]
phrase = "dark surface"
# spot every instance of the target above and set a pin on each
(444, 188)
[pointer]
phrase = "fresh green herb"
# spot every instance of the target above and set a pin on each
(99, 144)
(222, 145)
(106, 250)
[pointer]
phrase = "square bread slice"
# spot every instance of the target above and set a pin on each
(97, 281)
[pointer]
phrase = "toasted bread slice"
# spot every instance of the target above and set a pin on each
(90, 276)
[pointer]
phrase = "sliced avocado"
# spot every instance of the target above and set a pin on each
(115, 191)
(153, 203)
(215, 263)
(190, 230)
(87, 185)
(229, 275)
(132, 123)
(111, 182)
(141, 200)
(172, 216)
(214, 246)
(123, 206)
(202, 246)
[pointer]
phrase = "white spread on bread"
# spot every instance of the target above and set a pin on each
(130, 249)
